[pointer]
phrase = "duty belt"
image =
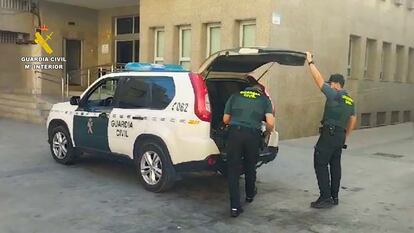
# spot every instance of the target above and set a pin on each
(331, 129)
(245, 129)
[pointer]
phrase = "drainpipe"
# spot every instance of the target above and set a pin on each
(67, 85)
(63, 87)
(89, 77)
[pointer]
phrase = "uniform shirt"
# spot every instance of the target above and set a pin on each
(248, 108)
(338, 107)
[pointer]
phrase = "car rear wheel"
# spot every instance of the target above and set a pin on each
(154, 168)
(61, 146)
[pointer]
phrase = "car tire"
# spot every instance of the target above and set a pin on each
(154, 167)
(61, 146)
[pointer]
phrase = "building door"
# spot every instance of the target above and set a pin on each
(73, 54)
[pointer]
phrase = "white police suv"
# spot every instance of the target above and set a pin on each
(165, 118)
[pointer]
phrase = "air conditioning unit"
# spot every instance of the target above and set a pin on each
(399, 2)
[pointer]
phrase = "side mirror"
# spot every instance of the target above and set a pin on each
(74, 100)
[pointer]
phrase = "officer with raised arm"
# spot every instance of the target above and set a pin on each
(338, 121)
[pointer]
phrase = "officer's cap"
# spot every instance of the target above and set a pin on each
(337, 78)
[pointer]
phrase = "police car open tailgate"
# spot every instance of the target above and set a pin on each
(245, 60)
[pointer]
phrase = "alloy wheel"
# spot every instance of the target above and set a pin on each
(60, 145)
(151, 167)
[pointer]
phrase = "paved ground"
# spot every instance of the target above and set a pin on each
(102, 195)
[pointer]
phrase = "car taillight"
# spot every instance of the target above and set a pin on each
(211, 161)
(202, 102)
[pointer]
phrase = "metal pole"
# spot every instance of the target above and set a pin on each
(112, 68)
(63, 87)
(89, 77)
(81, 77)
(67, 85)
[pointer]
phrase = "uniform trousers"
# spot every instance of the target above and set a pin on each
(242, 151)
(327, 153)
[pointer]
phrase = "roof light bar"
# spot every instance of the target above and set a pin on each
(134, 66)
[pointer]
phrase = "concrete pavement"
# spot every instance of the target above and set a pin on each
(101, 194)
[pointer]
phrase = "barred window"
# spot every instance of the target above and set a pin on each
(21, 5)
(7, 37)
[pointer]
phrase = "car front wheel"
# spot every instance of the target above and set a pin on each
(61, 146)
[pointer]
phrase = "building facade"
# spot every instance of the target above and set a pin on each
(371, 42)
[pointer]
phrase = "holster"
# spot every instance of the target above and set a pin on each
(327, 128)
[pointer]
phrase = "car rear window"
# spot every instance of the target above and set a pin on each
(146, 92)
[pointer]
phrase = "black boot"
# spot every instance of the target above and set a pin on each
(235, 212)
(322, 203)
(335, 200)
(250, 199)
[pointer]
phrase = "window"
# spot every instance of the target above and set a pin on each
(21, 5)
(410, 74)
(147, 92)
(247, 33)
(354, 51)
(348, 71)
(370, 58)
(134, 94)
(127, 25)
(163, 91)
(407, 116)
(136, 24)
(213, 38)
(159, 43)
(127, 51)
(381, 117)
(399, 65)
(395, 117)
(126, 43)
(365, 120)
(136, 50)
(185, 47)
(7, 37)
(103, 95)
(385, 62)
(124, 25)
(124, 51)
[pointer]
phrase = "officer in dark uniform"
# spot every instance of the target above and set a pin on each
(245, 112)
(337, 124)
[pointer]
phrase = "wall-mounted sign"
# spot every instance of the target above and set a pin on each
(276, 18)
(105, 49)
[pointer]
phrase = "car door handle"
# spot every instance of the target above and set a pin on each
(139, 118)
(103, 115)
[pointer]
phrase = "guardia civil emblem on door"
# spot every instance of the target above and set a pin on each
(90, 125)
